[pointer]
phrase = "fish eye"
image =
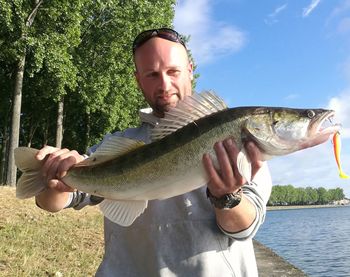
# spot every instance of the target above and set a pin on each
(310, 113)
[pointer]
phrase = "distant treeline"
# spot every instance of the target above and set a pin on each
(289, 195)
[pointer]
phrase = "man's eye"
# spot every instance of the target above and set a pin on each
(173, 72)
(152, 74)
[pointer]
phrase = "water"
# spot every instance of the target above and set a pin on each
(314, 240)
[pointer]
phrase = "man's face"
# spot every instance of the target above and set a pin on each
(163, 73)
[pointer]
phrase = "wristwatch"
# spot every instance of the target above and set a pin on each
(226, 202)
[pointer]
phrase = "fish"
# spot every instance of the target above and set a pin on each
(129, 173)
(337, 148)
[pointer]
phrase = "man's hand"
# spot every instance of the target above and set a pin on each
(226, 179)
(57, 162)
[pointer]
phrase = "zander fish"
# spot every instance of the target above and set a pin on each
(129, 173)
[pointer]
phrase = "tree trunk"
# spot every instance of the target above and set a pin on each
(16, 105)
(59, 131)
(3, 158)
(15, 123)
(46, 132)
(87, 131)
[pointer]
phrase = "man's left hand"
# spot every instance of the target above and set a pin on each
(227, 179)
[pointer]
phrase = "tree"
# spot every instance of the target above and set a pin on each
(336, 194)
(301, 196)
(323, 197)
(5, 107)
(107, 98)
(17, 92)
(77, 56)
(277, 195)
(289, 195)
(312, 195)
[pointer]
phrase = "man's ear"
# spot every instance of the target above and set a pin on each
(137, 77)
(190, 69)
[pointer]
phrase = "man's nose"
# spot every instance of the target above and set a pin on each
(165, 82)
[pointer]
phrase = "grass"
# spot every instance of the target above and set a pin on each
(37, 243)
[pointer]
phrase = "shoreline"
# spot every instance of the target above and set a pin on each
(295, 207)
(271, 264)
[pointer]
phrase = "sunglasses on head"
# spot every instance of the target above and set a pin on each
(165, 33)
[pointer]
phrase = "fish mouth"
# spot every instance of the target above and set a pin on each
(324, 125)
(321, 129)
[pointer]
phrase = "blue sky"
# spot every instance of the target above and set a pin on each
(277, 53)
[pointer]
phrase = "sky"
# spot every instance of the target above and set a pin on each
(277, 53)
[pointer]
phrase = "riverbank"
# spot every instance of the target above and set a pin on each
(272, 265)
(273, 208)
(32, 242)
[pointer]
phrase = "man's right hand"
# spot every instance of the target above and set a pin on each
(55, 167)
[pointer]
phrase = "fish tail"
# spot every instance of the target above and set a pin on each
(30, 183)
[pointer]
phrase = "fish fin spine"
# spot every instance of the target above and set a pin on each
(110, 149)
(190, 109)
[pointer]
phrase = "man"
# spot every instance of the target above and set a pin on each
(185, 235)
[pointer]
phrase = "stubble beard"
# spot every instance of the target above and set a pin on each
(161, 106)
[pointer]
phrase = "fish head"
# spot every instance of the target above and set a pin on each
(280, 131)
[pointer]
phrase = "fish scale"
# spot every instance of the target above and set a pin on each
(161, 160)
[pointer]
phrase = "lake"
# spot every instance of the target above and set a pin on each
(315, 240)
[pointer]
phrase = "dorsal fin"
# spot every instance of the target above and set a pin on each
(190, 109)
(111, 148)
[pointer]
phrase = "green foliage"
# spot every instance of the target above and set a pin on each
(289, 195)
(107, 97)
(78, 51)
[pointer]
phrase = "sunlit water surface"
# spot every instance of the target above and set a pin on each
(314, 240)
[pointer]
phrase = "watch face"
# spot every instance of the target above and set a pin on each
(228, 201)
(231, 200)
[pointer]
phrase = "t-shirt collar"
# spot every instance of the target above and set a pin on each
(147, 116)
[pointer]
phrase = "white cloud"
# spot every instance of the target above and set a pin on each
(340, 103)
(278, 10)
(313, 167)
(342, 108)
(344, 26)
(337, 19)
(292, 96)
(271, 18)
(346, 69)
(340, 9)
(209, 39)
(309, 9)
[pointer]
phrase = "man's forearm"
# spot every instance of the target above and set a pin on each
(238, 218)
(52, 200)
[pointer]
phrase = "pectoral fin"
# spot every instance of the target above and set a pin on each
(244, 166)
